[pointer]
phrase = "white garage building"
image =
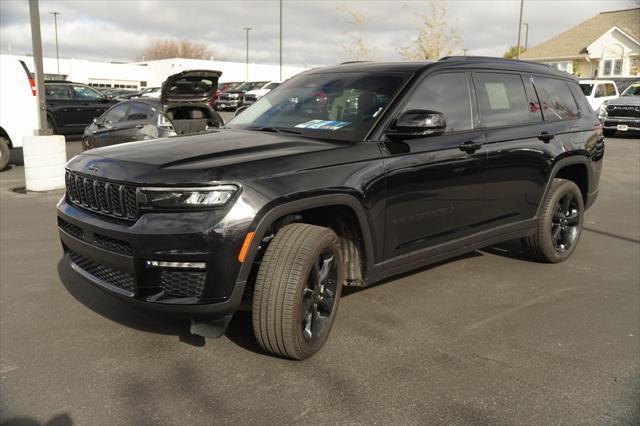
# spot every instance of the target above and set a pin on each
(152, 73)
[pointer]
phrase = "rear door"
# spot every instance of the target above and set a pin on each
(62, 106)
(91, 104)
(109, 131)
(435, 189)
(517, 156)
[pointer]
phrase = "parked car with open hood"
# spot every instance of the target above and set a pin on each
(622, 113)
(181, 109)
(253, 95)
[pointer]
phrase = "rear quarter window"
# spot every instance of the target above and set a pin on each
(556, 99)
(502, 99)
(583, 103)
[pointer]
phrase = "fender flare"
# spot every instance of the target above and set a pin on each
(281, 210)
(560, 164)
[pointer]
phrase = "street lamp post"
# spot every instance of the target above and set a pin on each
(526, 35)
(280, 40)
(519, 30)
(247, 29)
(55, 23)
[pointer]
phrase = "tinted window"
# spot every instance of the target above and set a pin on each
(502, 98)
(586, 88)
(633, 90)
(116, 113)
(86, 93)
(138, 111)
(583, 104)
(447, 94)
(57, 92)
(191, 85)
(557, 101)
(600, 92)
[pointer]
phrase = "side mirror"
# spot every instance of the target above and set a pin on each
(239, 110)
(97, 121)
(417, 123)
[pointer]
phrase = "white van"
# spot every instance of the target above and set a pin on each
(598, 91)
(18, 116)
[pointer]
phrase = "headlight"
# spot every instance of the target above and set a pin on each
(602, 112)
(185, 198)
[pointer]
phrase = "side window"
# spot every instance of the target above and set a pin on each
(56, 92)
(503, 100)
(447, 94)
(600, 91)
(557, 101)
(578, 95)
(116, 113)
(609, 90)
(86, 93)
(138, 111)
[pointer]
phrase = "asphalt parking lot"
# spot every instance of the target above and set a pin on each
(486, 338)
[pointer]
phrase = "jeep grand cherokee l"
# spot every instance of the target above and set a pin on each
(343, 176)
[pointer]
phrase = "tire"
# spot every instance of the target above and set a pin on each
(5, 153)
(559, 225)
(293, 306)
(608, 132)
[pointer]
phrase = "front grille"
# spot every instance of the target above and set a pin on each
(629, 123)
(250, 98)
(182, 283)
(111, 199)
(107, 274)
(70, 228)
(113, 244)
(229, 96)
(623, 111)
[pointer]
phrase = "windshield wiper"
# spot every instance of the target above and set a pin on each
(274, 130)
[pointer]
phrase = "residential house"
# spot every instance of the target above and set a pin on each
(605, 46)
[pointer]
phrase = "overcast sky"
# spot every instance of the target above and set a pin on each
(314, 31)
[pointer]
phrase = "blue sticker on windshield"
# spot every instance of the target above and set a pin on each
(323, 124)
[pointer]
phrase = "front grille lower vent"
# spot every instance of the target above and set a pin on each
(107, 274)
(114, 245)
(182, 283)
(70, 228)
(111, 199)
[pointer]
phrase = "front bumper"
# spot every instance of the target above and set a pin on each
(114, 256)
(619, 123)
(224, 104)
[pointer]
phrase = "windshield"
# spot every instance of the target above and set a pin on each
(244, 86)
(257, 85)
(340, 106)
(271, 86)
(586, 88)
(633, 90)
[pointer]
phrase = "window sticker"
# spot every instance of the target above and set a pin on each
(323, 124)
(497, 95)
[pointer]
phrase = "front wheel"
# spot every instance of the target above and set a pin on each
(559, 224)
(297, 290)
(5, 152)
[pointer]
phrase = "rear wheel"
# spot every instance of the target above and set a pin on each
(297, 290)
(559, 225)
(4, 153)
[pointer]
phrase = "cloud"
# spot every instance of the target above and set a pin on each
(314, 31)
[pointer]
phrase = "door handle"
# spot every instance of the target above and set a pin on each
(470, 146)
(545, 137)
(139, 126)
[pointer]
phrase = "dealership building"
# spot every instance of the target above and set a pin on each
(139, 75)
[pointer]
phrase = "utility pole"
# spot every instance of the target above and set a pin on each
(36, 43)
(55, 23)
(280, 40)
(519, 30)
(247, 29)
(526, 35)
(464, 51)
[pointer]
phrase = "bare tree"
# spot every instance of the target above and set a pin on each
(168, 48)
(437, 37)
(356, 47)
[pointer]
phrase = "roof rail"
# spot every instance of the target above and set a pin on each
(493, 58)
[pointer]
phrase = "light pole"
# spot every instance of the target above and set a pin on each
(519, 30)
(55, 23)
(247, 29)
(526, 35)
(464, 51)
(280, 40)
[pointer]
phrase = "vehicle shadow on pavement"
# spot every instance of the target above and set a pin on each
(59, 420)
(512, 249)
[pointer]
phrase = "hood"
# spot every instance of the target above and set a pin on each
(190, 86)
(258, 92)
(625, 100)
(195, 158)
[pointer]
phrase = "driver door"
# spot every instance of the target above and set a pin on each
(435, 185)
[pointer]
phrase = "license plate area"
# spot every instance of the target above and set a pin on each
(623, 127)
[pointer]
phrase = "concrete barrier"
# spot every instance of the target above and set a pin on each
(44, 161)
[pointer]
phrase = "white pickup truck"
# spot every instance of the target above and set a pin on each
(598, 91)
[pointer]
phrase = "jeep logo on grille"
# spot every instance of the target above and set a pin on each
(93, 168)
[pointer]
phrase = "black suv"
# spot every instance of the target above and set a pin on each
(341, 176)
(72, 106)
